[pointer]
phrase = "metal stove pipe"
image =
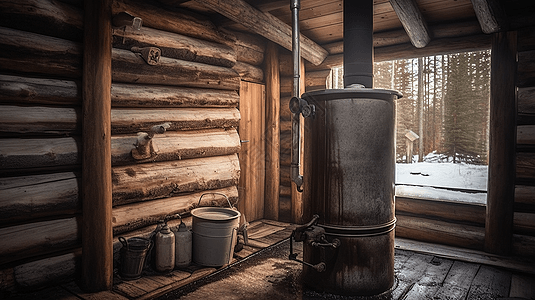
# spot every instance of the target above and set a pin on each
(358, 43)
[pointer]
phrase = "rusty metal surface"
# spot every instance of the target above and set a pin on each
(349, 172)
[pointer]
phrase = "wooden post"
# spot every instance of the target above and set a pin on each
(271, 198)
(297, 197)
(97, 238)
(502, 137)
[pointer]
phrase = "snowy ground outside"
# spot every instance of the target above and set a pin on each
(428, 180)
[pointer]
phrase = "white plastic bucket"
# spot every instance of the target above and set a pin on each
(214, 234)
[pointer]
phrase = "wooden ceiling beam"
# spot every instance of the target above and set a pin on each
(490, 15)
(410, 16)
(267, 26)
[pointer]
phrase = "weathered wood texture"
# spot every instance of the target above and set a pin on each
(249, 48)
(39, 54)
(96, 186)
(414, 23)
(249, 72)
(19, 155)
(47, 17)
(128, 67)
(267, 26)
(441, 232)
(490, 15)
(395, 37)
(272, 176)
(449, 211)
(166, 179)
(40, 120)
(153, 96)
(40, 273)
(157, 17)
(175, 45)
(500, 192)
(407, 50)
(136, 120)
(252, 153)
(137, 215)
(526, 69)
(39, 238)
(27, 198)
(26, 90)
(179, 145)
(525, 166)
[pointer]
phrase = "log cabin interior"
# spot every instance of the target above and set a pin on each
(116, 114)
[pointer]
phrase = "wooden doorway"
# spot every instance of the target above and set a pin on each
(252, 153)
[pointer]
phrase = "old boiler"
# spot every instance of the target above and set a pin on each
(349, 169)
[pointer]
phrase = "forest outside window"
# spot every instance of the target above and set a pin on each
(442, 124)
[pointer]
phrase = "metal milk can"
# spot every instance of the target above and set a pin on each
(165, 250)
(182, 246)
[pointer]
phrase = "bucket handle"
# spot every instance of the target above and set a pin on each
(215, 193)
(123, 241)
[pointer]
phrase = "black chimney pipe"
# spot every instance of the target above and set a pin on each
(358, 43)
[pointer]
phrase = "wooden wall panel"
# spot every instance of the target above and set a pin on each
(252, 153)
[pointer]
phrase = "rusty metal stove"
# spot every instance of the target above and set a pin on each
(349, 167)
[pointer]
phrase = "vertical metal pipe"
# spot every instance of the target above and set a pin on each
(296, 118)
(358, 43)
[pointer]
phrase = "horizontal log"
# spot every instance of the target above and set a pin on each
(399, 36)
(525, 135)
(136, 95)
(440, 232)
(178, 145)
(524, 223)
(524, 195)
(526, 39)
(285, 112)
(135, 120)
(449, 211)
(19, 154)
(249, 72)
(285, 158)
(24, 154)
(249, 48)
(523, 245)
(286, 64)
(526, 100)
(285, 191)
(175, 45)
(525, 166)
(177, 21)
(128, 67)
(285, 176)
(160, 180)
(266, 25)
(134, 216)
(28, 198)
(526, 69)
(407, 50)
(287, 85)
(317, 78)
(48, 271)
(26, 90)
(26, 52)
(47, 17)
(39, 120)
(39, 238)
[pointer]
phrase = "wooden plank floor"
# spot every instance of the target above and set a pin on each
(423, 271)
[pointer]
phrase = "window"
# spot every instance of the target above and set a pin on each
(444, 118)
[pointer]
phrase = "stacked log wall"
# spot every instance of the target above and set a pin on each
(524, 205)
(194, 88)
